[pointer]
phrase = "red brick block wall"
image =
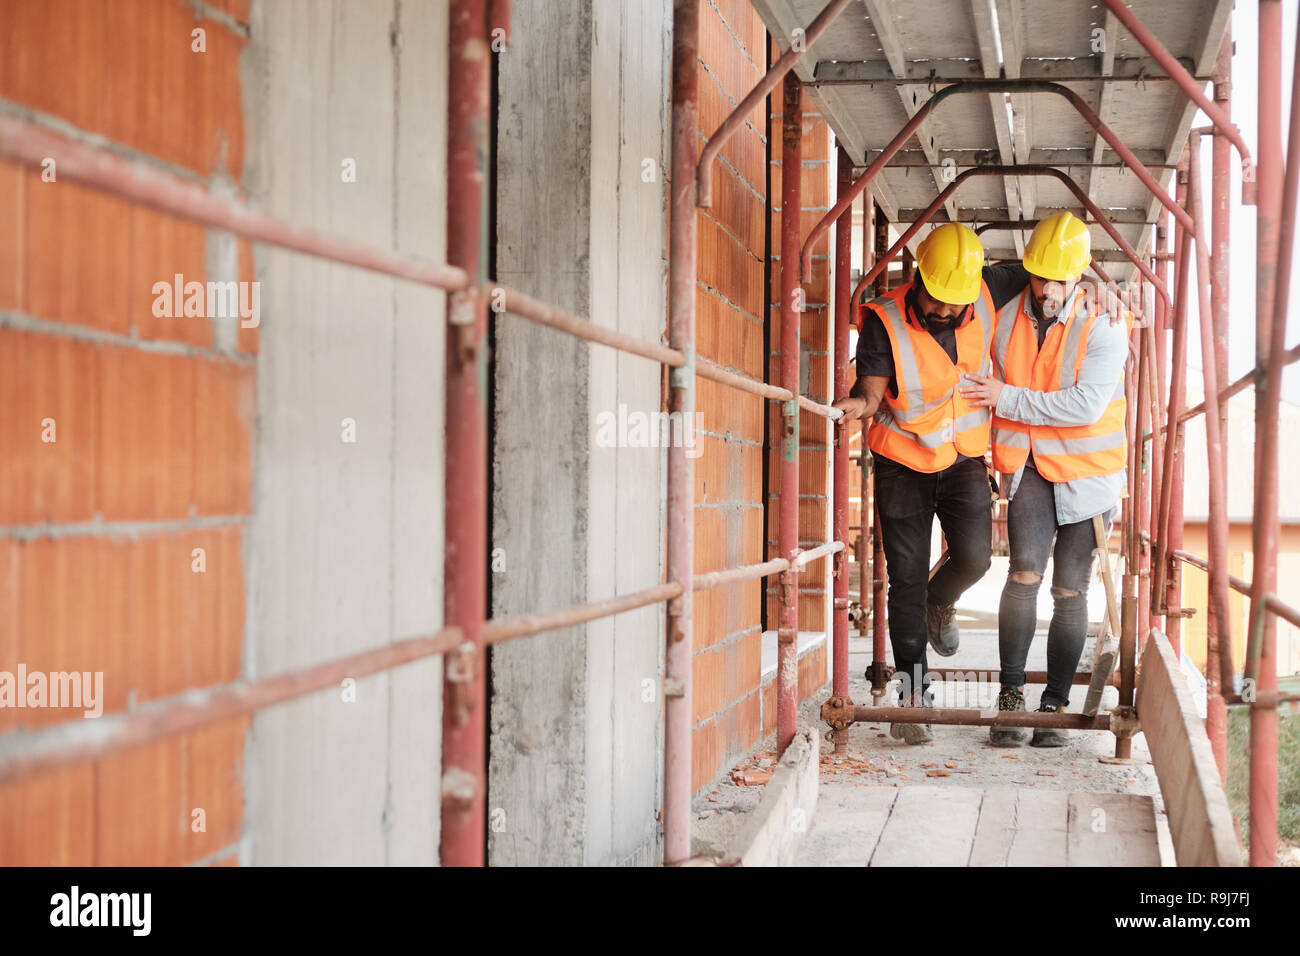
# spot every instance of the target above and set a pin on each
(729, 322)
(731, 303)
(815, 327)
(152, 458)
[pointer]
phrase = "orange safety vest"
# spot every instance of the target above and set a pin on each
(1061, 453)
(928, 422)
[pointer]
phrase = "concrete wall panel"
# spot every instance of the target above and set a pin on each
(348, 533)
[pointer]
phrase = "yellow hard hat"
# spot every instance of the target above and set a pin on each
(950, 260)
(1060, 248)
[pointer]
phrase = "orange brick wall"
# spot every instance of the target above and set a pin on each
(731, 303)
(815, 341)
(153, 426)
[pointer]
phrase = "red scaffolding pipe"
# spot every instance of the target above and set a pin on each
(27, 754)
(26, 142)
(840, 477)
(787, 666)
(681, 467)
(464, 684)
(990, 86)
(1218, 660)
(1166, 583)
(1191, 86)
(1272, 286)
(1027, 170)
(1218, 618)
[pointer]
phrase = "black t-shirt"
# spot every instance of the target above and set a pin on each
(875, 356)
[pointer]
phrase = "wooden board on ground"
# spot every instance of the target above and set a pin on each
(929, 826)
(844, 834)
(1022, 828)
(1113, 829)
(956, 826)
(1200, 822)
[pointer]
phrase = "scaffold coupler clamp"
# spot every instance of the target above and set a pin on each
(838, 713)
(1124, 721)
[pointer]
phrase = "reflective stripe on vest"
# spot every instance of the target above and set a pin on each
(1061, 453)
(935, 439)
(926, 435)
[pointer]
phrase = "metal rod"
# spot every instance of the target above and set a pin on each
(1173, 445)
(1272, 602)
(516, 303)
(1139, 462)
(840, 462)
(757, 96)
(704, 368)
(879, 571)
(978, 718)
(681, 467)
(879, 600)
(525, 625)
(984, 675)
(787, 668)
(465, 558)
(804, 558)
(1011, 225)
(1218, 618)
(29, 143)
(875, 73)
(1159, 347)
(883, 262)
(1253, 377)
(986, 87)
(1272, 286)
(27, 754)
(1189, 84)
(748, 572)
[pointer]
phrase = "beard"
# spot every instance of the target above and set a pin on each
(940, 321)
(1048, 307)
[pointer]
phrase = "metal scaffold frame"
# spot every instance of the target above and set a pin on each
(467, 631)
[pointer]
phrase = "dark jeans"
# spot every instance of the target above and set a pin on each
(908, 501)
(1031, 526)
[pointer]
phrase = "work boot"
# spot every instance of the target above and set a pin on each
(941, 628)
(1012, 701)
(1049, 736)
(913, 733)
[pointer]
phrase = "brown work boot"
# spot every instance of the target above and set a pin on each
(941, 628)
(913, 733)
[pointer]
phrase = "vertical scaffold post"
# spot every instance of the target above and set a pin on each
(681, 402)
(840, 475)
(879, 577)
(1219, 666)
(1271, 266)
(787, 659)
(1218, 620)
(464, 689)
(1166, 583)
(1164, 240)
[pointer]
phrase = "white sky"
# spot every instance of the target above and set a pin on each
(1241, 343)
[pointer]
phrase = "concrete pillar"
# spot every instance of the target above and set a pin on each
(346, 548)
(576, 739)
